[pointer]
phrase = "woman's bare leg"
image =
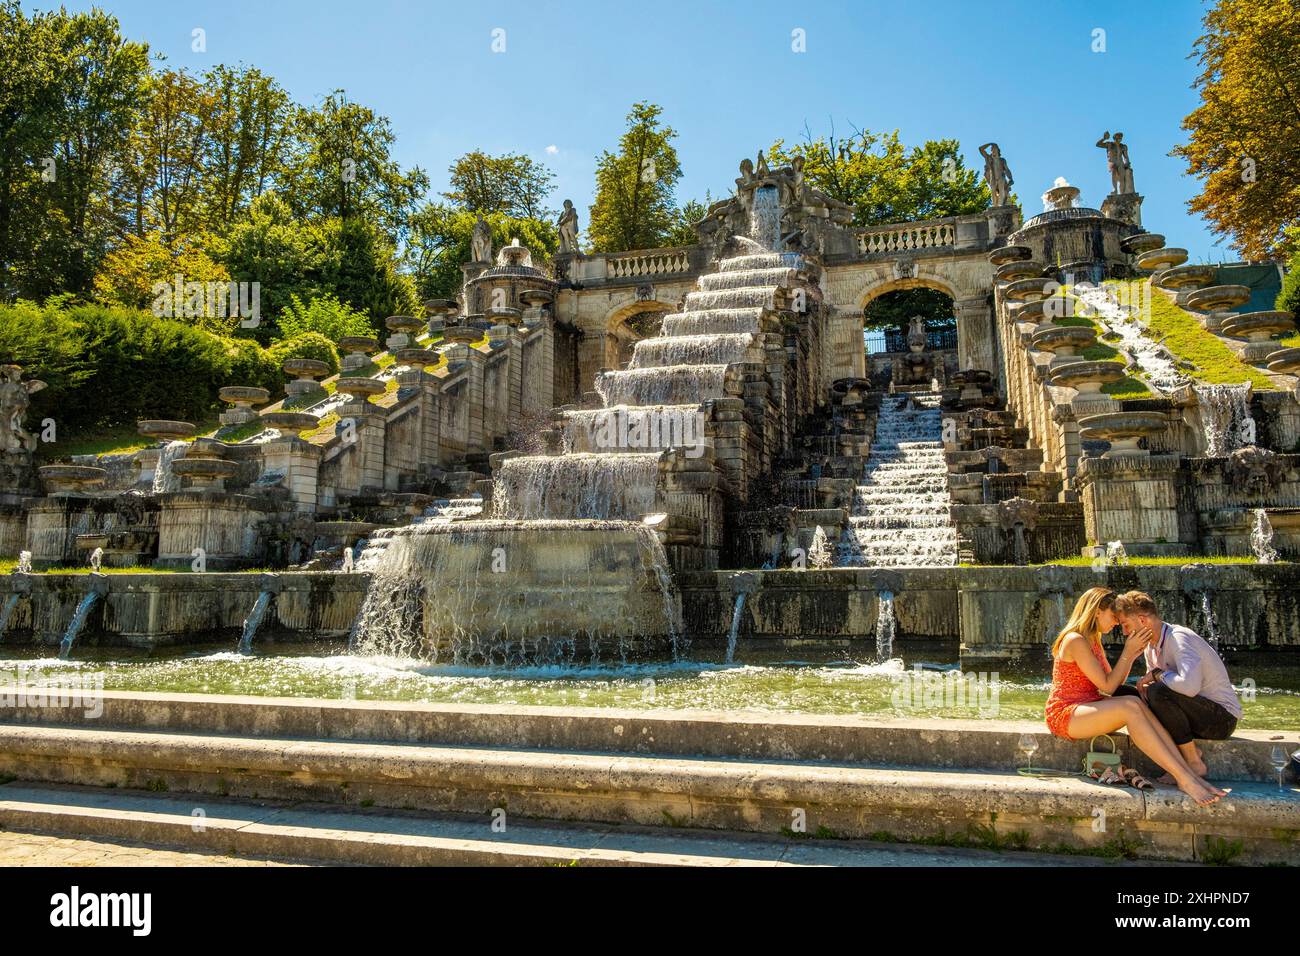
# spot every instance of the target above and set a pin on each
(1111, 714)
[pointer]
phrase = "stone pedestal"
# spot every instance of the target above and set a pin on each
(297, 462)
(1126, 207)
(975, 334)
(1133, 499)
(53, 524)
(223, 525)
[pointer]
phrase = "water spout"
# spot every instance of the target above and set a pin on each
(164, 479)
(737, 610)
(254, 621)
(1211, 625)
(96, 560)
(77, 624)
(886, 624)
(24, 565)
(1226, 418)
(1261, 539)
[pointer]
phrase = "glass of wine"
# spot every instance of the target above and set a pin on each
(1028, 746)
(1279, 758)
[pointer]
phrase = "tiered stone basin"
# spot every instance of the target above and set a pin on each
(404, 323)
(1123, 430)
(536, 297)
(1029, 290)
(1086, 377)
(241, 399)
(71, 479)
(360, 389)
(1142, 242)
(167, 431)
(1047, 310)
(1004, 254)
(440, 312)
(357, 349)
(1217, 298)
(1185, 277)
(416, 358)
(463, 334)
(293, 423)
(1166, 258)
(1257, 326)
(205, 465)
(504, 316)
(1285, 361)
(1020, 269)
(1063, 340)
(307, 371)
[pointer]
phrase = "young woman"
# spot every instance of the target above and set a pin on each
(1089, 698)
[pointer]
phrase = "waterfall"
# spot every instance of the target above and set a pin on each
(737, 609)
(1261, 539)
(672, 385)
(901, 509)
(77, 624)
(1225, 417)
(515, 591)
(885, 626)
(713, 322)
(691, 350)
(7, 612)
(634, 428)
(253, 622)
(24, 565)
(576, 486)
(1116, 553)
(163, 478)
(1152, 357)
(765, 217)
(819, 554)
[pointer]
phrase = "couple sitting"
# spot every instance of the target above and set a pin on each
(1185, 695)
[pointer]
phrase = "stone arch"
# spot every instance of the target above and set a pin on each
(887, 285)
(975, 334)
(627, 325)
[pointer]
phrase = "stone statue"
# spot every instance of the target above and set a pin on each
(1121, 170)
(481, 241)
(15, 397)
(997, 174)
(746, 173)
(568, 226)
(761, 169)
(916, 334)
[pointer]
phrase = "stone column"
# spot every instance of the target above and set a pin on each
(299, 462)
(975, 334)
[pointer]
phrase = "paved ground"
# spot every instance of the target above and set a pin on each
(39, 849)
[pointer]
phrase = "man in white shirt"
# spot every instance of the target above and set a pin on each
(1186, 685)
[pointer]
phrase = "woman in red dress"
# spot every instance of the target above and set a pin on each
(1088, 697)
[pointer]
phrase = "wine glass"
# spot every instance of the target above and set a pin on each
(1028, 745)
(1279, 758)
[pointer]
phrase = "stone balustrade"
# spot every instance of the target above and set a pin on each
(656, 262)
(908, 237)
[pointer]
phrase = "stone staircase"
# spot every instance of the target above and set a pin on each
(598, 771)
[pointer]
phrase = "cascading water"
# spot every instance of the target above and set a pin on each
(164, 480)
(77, 624)
(819, 553)
(664, 385)
(576, 486)
(6, 613)
(1261, 539)
(1153, 358)
(1225, 416)
(900, 515)
(886, 624)
(1211, 634)
(765, 217)
(254, 621)
(737, 609)
(709, 349)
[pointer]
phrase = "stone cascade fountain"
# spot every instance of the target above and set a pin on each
(1225, 417)
(901, 509)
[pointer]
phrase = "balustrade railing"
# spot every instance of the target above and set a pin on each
(909, 237)
(657, 263)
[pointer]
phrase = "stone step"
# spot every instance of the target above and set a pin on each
(744, 795)
(296, 831)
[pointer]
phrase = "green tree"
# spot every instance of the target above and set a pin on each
(885, 181)
(249, 137)
(683, 232)
(513, 185)
(1245, 136)
(440, 241)
(634, 206)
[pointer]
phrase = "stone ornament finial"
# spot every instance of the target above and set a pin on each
(997, 174)
(15, 398)
(568, 228)
(1121, 169)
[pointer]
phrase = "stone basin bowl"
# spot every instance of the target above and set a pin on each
(1046, 310)
(1185, 277)
(1063, 338)
(306, 367)
(1086, 377)
(1028, 290)
(536, 297)
(358, 344)
(247, 395)
(445, 306)
(63, 479)
(293, 422)
(1142, 242)
(205, 448)
(416, 358)
(1122, 430)
(1285, 361)
(350, 532)
(1217, 298)
(404, 323)
(1020, 269)
(1004, 254)
(972, 376)
(1257, 326)
(165, 430)
(1165, 258)
(362, 388)
(205, 469)
(464, 334)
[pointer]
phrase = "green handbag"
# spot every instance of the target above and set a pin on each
(1097, 762)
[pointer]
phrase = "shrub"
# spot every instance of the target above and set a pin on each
(324, 314)
(310, 345)
(1288, 300)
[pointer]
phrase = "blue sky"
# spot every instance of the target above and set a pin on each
(1019, 72)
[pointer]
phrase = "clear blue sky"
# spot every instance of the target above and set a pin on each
(1021, 72)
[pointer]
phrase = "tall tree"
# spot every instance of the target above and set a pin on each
(1244, 138)
(885, 181)
(344, 167)
(634, 206)
(513, 185)
(249, 135)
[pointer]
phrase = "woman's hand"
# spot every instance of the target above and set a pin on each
(1137, 642)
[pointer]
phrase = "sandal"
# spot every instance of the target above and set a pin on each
(1107, 776)
(1135, 779)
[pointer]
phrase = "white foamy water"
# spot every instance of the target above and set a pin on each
(1155, 361)
(576, 486)
(1225, 416)
(671, 385)
(710, 349)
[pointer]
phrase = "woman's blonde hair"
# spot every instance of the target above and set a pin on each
(1084, 619)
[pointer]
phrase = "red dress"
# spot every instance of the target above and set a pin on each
(1070, 688)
